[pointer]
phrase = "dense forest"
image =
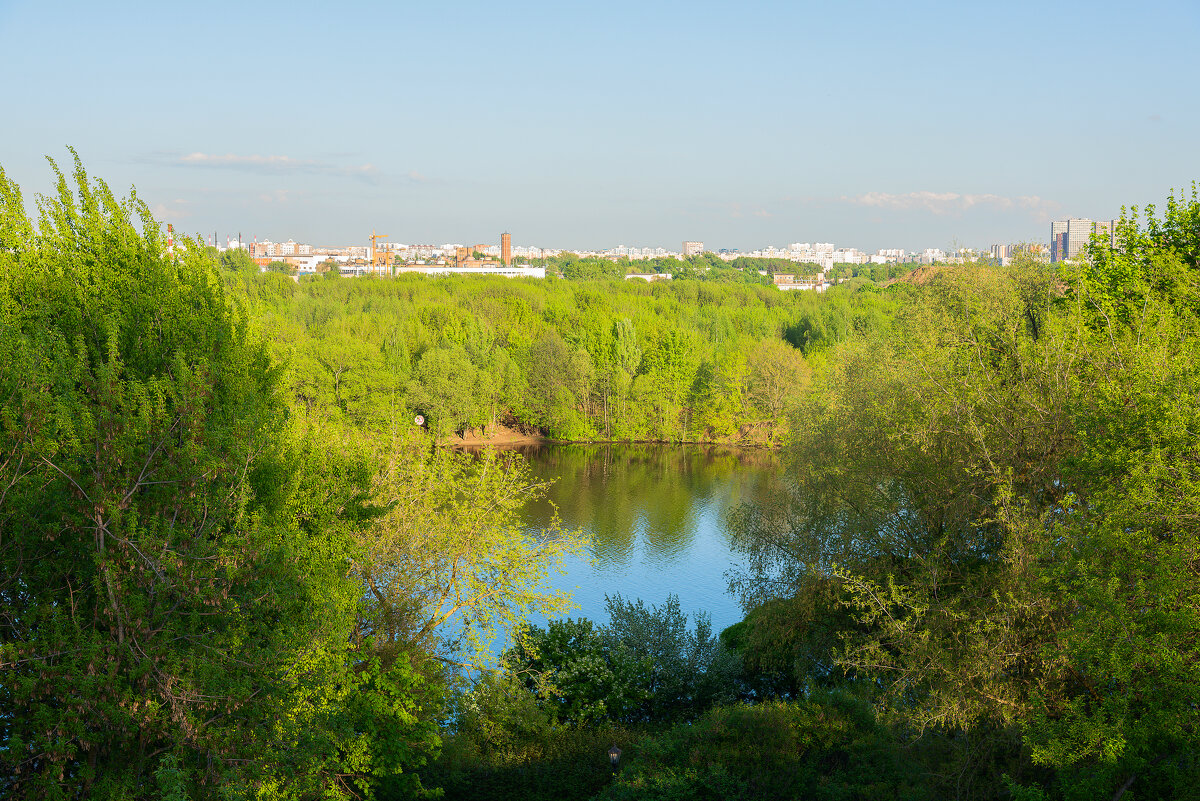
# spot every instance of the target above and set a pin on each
(233, 566)
(686, 360)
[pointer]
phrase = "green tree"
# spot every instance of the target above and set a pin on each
(580, 676)
(645, 666)
(777, 374)
(826, 747)
(444, 388)
(560, 379)
(238, 261)
(717, 397)
(1123, 710)
(449, 566)
(668, 371)
(690, 669)
(165, 620)
(1001, 493)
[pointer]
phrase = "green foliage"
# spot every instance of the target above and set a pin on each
(1002, 493)
(236, 260)
(845, 312)
(576, 360)
(689, 669)
(904, 456)
(827, 748)
(568, 762)
(645, 666)
(777, 374)
(789, 645)
(501, 715)
(589, 269)
(167, 620)
(576, 674)
(444, 388)
(448, 565)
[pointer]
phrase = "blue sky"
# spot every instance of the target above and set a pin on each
(867, 124)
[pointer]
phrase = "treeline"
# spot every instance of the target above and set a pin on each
(707, 267)
(711, 268)
(979, 580)
(603, 360)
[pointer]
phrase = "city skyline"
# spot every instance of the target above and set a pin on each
(926, 125)
(307, 257)
(524, 248)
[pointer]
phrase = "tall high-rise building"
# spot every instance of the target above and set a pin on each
(506, 248)
(1058, 242)
(693, 248)
(1068, 238)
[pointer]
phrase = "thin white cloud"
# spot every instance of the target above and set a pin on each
(172, 210)
(737, 211)
(276, 164)
(230, 160)
(953, 203)
(278, 196)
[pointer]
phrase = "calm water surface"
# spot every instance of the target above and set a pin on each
(657, 516)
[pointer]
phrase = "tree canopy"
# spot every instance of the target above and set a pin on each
(1000, 494)
(167, 620)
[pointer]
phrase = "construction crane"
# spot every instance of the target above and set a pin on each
(378, 260)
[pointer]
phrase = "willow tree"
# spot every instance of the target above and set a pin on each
(449, 565)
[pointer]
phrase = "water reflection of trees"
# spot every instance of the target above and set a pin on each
(623, 495)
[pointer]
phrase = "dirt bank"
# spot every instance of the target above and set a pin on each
(494, 435)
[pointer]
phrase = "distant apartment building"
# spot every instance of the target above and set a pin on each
(474, 267)
(888, 256)
(1069, 237)
(1031, 250)
(785, 282)
(693, 248)
(465, 260)
(464, 257)
(274, 250)
(849, 256)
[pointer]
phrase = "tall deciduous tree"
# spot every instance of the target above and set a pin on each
(1005, 495)
(777, 375)
(167, 625)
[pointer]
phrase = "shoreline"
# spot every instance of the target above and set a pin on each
(506, 437)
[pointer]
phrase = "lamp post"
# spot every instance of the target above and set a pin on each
(614, 756)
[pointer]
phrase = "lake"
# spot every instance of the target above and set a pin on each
(657, 517)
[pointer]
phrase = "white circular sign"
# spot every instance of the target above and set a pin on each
(420, 419)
